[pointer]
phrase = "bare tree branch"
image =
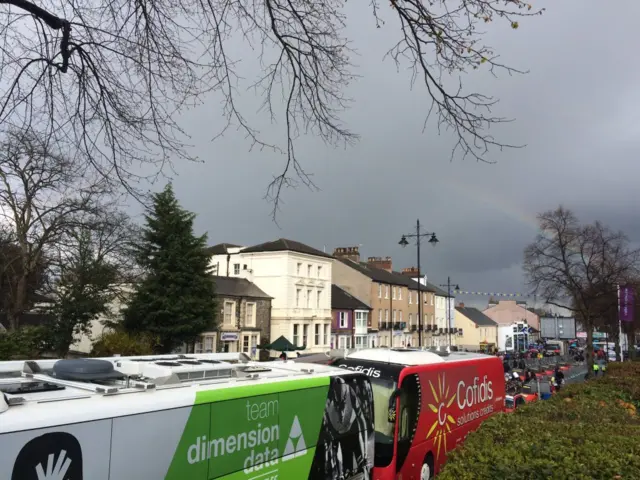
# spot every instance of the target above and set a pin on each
(43, 196)
(113, 78)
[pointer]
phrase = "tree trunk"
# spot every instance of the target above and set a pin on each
(589, 348)
(18, 304)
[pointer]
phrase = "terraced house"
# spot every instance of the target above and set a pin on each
(392, 296)
(350, 320)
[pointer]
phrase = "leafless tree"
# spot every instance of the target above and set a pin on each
(92, 266)
(114, 77)
(577, 266)
(43, 195)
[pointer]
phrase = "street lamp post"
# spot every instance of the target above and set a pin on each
(403, 242)
(457, 287)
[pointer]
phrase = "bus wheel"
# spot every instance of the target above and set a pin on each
(426, 473)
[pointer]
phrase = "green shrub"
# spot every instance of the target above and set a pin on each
(122, 343)
(23, 343)
(587, 431)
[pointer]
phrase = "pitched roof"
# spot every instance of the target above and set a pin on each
(382, 276)
(221, 248)
(375, 274)
(476, 316)
(237, 287)
(343, 300)
(282, 245)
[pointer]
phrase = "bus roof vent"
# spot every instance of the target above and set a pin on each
(85, 370)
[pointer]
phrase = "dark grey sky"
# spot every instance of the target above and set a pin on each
(576, 110)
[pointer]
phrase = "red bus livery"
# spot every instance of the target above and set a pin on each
(425, 404)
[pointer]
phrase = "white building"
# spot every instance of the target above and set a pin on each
(296, 276)
(444, 312)
(83, 343)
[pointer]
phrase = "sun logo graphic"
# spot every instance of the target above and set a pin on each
(440, 406)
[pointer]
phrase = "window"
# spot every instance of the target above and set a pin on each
(250, 315)
(361, 341)
(410, 319)
(361, 319)
(431, 299)
(305, 331)
(326, 334)
(394, 316)
(318, 298)
(308, 270)
(379, 291)
(379, 316)
(249, 343)
(298, 293)
(426, 319)
(208, 344)
(416, 298)
(318, 334)
(386, 291)
(393, 291)
(295, 335)
(344, 319)
(244, 267)
(236, 269)
(309, 298)
(400, 315)
(386, 315)
(319, 272)
(298, 268)
(228, 313)
(197, 348)
(399, 293)
(410, 297)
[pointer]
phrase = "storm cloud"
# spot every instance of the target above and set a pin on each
(576, 111)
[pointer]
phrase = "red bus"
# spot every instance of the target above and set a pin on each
(437, 399)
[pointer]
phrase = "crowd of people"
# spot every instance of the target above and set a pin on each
(518, 374)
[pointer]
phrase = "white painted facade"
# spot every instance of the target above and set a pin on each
(300, 285)
(441, 311)
(84, 343)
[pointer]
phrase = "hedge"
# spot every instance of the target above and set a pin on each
(587, 431)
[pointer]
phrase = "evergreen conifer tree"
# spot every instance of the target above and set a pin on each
(175, 301)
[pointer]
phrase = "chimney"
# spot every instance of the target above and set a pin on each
(347, 253)
(381, 263)
(410, 272)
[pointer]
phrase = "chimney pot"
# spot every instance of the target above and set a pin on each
(347, 253)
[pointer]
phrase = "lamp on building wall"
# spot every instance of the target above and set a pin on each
(433, 240)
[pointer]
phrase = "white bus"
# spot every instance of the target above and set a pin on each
(195, 417)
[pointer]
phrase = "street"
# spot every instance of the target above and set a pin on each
(574, 375)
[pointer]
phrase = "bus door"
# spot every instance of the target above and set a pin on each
(407, 417)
